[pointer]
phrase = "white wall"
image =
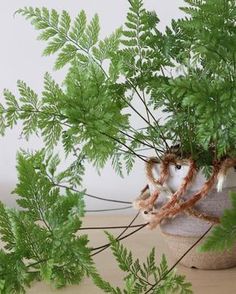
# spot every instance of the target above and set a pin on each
(20, 58)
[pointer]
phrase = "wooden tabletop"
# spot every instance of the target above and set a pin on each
(204, 282)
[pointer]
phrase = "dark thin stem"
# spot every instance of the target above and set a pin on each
(178, 261)
(109, 227)
(148, 112)
(117, 141)
(36, 263)
(90, 195)
(135, 231)
(109, 209)
(126, 146)
(122, 151)
(41, 213)
(130, 224)
(59, 115)
(107, 199)
(87, 194)
(143, 149)
(141, 142)
(103, 247)
(162, 71)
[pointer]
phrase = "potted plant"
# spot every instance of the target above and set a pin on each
(188, 72)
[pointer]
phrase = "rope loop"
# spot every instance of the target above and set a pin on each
(147, 201)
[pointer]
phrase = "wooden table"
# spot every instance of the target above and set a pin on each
(204, 282)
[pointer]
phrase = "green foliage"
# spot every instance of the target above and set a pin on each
(188, 72)
(87, 110)
(207, 85)
(69, 39)
(106, 48)
(191, 85)
(141, 277)
(40, 241)
(223, 236)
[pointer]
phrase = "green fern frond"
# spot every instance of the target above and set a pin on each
(140, 278)
(108, 46)
(69, 39)
(79, 26)
(117, 164)
(91, 33)
(6, 232)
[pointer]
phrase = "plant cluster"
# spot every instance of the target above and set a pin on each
(44, 241)
(187, 72)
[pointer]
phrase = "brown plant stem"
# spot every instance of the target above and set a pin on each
(103, 247)
(177, 262)
(109, 227)
(108, 209)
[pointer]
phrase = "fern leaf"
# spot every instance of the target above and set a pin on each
(64, 23)
(139, 277)
(54, 45)
(117, 165)
(102, 284)
(54, 18)
(11, 115)
(90, 36)
(2, 120)
(28, 96)
(53, 163)
(51, 131)
(108, 46)
(123, 257)
(67, 54)
(223, 236)
(47, 34)
(7, 235)
(129, 162)
(10, 99)
(78, 27)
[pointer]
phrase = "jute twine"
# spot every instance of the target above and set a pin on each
(147, 201)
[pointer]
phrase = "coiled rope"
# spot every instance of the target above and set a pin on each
(147, 201)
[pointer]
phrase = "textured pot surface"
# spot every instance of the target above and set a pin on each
(189, 226)
(214, 204)
(206, 260)
(182, 231)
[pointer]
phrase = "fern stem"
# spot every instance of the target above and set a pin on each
(177, 262)
(109, 227)
(141, 142)
(123, 144)
(149, 113)
(90, 195)
(109, 209)
(128, 152)
(119, 237)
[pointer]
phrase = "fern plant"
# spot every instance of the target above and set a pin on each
(40, 241)
(146, 277)
(91, 108)
(187, 72)
(43, 240)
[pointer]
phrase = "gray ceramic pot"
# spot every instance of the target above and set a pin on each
(183, 231)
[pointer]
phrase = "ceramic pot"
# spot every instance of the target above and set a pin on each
(184, 230)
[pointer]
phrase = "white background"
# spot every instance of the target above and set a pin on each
(20, 58)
